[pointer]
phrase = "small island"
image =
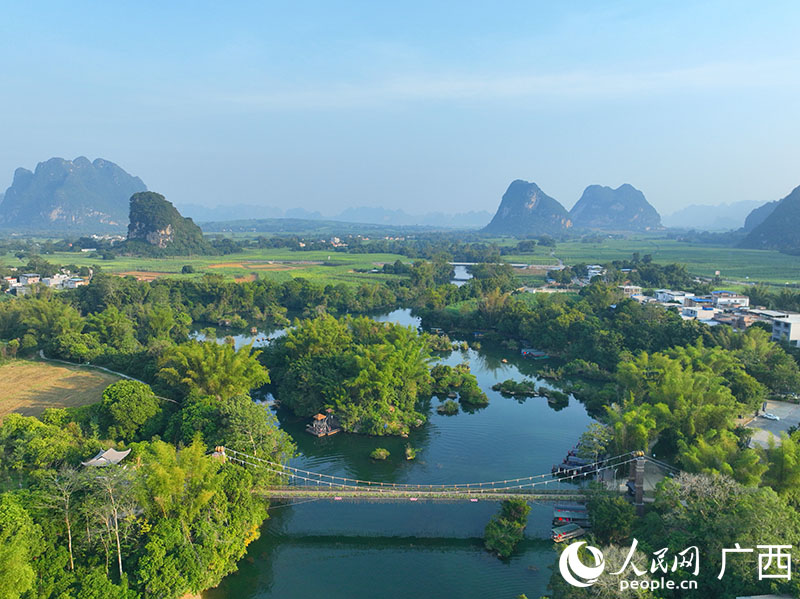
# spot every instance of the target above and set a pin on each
(524, 388)
(379, 453)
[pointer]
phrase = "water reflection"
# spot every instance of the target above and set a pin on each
(422, 550)
(461, 275)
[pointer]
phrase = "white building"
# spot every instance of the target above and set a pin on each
(594, 270)
(727, 300)
(698, 312)
(56, 281)
(669, 296)
(786, 328)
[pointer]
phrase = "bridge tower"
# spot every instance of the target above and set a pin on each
(636, 476)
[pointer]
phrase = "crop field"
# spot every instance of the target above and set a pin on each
(736, 266)
(276, 264)
(701, 259)
(30, 387)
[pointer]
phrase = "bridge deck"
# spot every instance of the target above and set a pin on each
(387, 494)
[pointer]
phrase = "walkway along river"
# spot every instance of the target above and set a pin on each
(424, 550)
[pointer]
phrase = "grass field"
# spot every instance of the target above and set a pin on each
(332, 267)
(30, 387)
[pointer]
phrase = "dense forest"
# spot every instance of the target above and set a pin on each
(174, 519)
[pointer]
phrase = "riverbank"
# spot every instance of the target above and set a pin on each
(422, 549)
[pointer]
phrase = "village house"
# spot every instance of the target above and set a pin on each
(728, 299)
(786, 328)
(669, 296)
(29, 278)
(701, 312)
(56, 281)
(699, 301)
(629, 290)
(74, 282)
(594, 270)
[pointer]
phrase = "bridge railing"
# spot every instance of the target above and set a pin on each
(298, 477)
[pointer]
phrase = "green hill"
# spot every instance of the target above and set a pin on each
(156, 227)
(780, 230)
(526, 210)
(622, 209)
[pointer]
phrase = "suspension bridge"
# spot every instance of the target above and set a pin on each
(297, 483)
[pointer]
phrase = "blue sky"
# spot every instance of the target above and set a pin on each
(325, 105)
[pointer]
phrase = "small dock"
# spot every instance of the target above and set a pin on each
(323, 425)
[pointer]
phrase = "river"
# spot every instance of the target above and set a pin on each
(423, 550)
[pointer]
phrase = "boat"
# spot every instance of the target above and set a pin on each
(570, 507)
(580, 518)
(535, 354)
(566, 532)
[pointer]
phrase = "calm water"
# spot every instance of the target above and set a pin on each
(462, 275)
(422, 550)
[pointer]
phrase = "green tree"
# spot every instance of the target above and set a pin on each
(594, 441)
(719, 452)
(128, 407)
(712, 513)
(58, 489)
(783, 472)
(114, 329)
(506, 529)
(215, 369)
(252, 428)
(20, 544)
(611, 516)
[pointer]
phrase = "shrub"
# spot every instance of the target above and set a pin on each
(449, 408)
(379, 453)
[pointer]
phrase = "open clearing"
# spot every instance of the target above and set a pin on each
(29, 387)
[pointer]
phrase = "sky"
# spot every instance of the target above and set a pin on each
(416, 105)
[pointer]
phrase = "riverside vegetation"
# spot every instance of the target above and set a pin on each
(657, 381)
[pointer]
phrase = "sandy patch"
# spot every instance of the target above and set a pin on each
(142, 275)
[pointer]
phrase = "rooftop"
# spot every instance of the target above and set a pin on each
(107, 457)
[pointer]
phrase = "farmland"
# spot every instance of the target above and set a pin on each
(328, 266)
(30, 387)
(701, 259)
(276, 264)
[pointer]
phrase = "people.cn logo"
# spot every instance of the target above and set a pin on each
(574, 571)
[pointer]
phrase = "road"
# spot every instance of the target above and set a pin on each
(763, 429)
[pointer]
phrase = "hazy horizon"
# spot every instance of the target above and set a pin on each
(417, 107)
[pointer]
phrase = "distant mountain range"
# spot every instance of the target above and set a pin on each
(526, 210)
(775, 225)
(364, 214)
(722, 217)
(69, 195)
(63, 196)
